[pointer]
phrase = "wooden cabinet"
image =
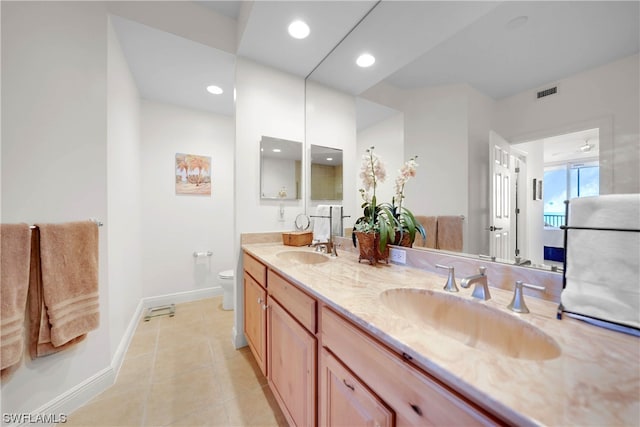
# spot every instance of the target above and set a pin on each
(255, 304)
(292, 366)
(416, 398)
(255, 320)
(345, 400)
(353, 379)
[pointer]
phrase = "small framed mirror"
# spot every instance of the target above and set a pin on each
(326, 173)
(280, 169)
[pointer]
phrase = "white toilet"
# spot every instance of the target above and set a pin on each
(226, 282)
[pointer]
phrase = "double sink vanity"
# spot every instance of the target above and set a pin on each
(344, 343)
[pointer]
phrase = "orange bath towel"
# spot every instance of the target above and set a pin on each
(14, 283)
(430, 228)
(64, 286)
(449, 237)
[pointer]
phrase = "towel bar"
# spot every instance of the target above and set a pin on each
(161, 310)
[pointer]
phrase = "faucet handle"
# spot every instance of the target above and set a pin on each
(517, 303)
(482, 270)
(450, 286)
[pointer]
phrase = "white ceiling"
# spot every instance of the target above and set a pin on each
(416, 43)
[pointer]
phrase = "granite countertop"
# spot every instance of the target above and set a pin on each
(594, 381)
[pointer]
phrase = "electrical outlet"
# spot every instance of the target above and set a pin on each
(398, 256)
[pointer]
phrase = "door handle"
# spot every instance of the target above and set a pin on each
(492, 228)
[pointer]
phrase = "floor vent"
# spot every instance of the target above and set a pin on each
(547, 92)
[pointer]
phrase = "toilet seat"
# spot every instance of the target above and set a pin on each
(227, 274)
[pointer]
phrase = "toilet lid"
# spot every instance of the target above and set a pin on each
(227, 274)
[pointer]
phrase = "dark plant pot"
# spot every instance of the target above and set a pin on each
(369, 246)
(403, 239)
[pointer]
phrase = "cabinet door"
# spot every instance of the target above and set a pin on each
(345, 400)
(255, 316)
(292, 366)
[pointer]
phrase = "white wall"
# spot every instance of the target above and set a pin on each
(174, 226)
(123, 191)
(606, 94)
(331, 122)
(436, 129)
(186, 19)
(268, 103)
(54, 159)
(387, 137)
(480, 113)
(534, 248)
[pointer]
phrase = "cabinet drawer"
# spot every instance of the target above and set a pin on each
(301, 306)
(255, 268)
(345, 401)
(415, 398)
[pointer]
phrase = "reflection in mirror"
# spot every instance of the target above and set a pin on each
(326, 173)
(469, 68)
(280, 169)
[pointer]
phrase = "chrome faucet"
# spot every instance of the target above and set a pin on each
(328, 248)
(481, 290)
(450, 286)
(517, 302)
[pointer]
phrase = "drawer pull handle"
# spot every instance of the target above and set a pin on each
(416, 409)
(405, 356)
(259, 300)
(348, 385)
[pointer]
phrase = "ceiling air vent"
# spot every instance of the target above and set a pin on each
(547, 92)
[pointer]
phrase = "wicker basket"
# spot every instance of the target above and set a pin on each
(297, 238)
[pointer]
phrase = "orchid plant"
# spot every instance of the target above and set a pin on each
(390, 220)
(377, 218)
(405, 220)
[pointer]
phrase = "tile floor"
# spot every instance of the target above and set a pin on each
(184, 371)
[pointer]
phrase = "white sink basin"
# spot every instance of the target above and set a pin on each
(303, 257)
(472, 323)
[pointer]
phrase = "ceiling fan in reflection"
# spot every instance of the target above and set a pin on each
(584, 148)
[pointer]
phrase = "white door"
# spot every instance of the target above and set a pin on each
(500, 244)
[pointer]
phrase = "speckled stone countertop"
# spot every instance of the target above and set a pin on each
(594, 381)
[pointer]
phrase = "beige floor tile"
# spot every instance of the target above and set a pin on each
(257, 408)
(137, 369)
(222, 348)
(185, 371)
(172, 399)
(173, 361)
(143, 341)
(214, 416)
(122, 409)
(239, 375)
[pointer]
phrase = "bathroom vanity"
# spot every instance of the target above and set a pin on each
(344, 343)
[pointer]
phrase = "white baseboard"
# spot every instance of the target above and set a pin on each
(72, 399)
(77, 396)
(181, 297)
(121, 351)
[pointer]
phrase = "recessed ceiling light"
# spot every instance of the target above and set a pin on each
(329, 158)
(365, 60)
(299, 29)
(276, 150)
(216, 90)
(517, 22)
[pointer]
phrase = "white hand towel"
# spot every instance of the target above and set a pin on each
(321, 229)
(603, 266)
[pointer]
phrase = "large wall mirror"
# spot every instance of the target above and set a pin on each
(447, 73)
(280, 169)
(326, 173)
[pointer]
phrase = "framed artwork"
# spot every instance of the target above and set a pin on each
(193, 174)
